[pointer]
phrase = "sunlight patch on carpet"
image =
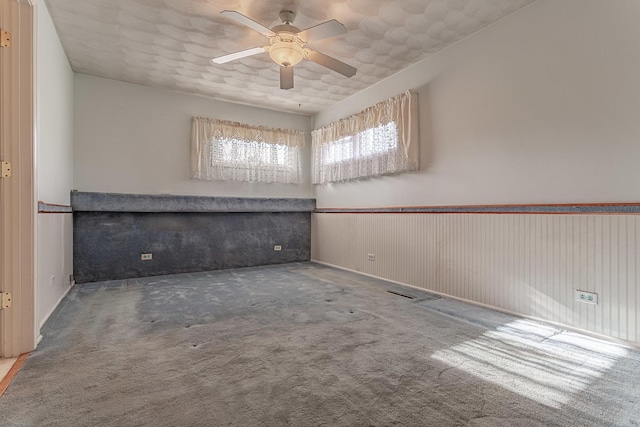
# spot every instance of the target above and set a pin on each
(536, 361)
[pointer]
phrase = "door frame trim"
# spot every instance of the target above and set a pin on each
(18, 329)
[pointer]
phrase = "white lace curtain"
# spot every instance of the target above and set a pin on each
(383, 139)
(223, 150)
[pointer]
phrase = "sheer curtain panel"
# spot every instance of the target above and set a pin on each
(383, 139)
(223, 150)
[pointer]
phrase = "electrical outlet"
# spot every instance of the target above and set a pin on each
(588, 297)
(277, 248)
(371, 257)
(146, 257)
(52, 280)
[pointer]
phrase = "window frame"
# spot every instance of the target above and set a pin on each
(401, 156)
(209, 135)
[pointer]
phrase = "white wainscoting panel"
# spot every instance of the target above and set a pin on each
(524, 263)
(54, 262)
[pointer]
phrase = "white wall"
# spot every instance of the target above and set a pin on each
(54, 166)
(527, 264)
(540, 107)
(136, 139)
(54, 262)
(54, 136)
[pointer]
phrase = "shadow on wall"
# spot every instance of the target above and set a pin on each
(426, 139)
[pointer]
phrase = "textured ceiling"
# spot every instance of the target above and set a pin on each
(169, 43)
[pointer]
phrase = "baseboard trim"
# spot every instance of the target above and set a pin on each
(4, 384)
(43, 321)
(608, 338)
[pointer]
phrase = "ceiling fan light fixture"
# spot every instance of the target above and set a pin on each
(287, 45)
(286, 53)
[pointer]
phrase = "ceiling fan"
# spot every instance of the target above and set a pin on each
(287, 45)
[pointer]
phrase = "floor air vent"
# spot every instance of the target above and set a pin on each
(401, 295)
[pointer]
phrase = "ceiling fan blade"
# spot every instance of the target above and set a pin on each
(247, 22)
(322, 31)
(237, 55)
(286, 77)
(331, 63)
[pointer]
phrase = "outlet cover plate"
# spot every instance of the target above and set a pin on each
(146, 257)
(587, 297)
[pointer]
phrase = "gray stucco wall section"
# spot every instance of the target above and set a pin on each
(117, 202)
(52, 208)
(184, 234)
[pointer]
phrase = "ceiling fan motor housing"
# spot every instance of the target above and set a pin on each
(286, 47)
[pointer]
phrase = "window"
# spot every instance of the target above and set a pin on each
(379, 140)
(235, 153)
(224, 150)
